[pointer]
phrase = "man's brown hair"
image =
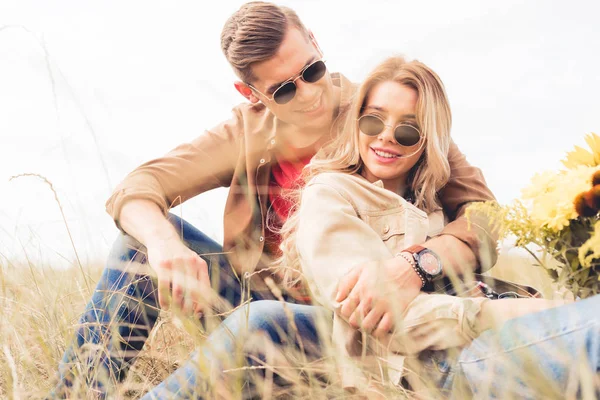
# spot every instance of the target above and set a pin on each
(254, 33)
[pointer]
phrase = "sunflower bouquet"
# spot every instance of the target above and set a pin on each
(558, 215)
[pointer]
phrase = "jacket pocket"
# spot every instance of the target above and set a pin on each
(399, 227)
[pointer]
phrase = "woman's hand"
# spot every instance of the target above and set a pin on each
(372, 296)
(183, 280)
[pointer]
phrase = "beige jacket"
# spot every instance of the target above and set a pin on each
(345, 221)
(238, 153)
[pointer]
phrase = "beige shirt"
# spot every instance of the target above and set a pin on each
(346, 221)
(238, 153)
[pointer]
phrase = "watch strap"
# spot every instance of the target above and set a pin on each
(415, 248)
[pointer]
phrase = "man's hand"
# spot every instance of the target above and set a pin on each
(373, 295)
(183, 280)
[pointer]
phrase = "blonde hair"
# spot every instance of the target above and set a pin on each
(426, 178)
(254, 33)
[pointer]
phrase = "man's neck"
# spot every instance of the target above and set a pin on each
(303, 142)
(288, 151)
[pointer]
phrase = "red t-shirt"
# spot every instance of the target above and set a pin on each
(284, 176)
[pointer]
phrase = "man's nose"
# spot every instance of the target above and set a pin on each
(305, 91)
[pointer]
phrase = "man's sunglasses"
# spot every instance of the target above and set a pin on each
(405, 134)
(286, 92)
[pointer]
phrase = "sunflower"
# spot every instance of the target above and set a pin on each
(550, 196)
(581, 156)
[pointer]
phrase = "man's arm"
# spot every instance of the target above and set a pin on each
(139, 206)
(186, 171)
(464, 246)
(456, 256)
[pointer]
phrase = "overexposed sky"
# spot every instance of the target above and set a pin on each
(89, 90)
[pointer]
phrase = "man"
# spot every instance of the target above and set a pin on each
(293, 103)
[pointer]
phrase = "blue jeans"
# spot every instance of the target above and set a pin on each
(550, 354)
(238, 354)
(541, 355)
(124, 308)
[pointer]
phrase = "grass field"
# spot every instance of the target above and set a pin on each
(39, 307)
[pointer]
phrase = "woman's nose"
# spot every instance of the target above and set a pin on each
(387, 134)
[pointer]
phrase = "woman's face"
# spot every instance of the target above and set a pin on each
(383, 158)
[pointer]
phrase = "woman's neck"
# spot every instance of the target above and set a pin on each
(397, 185)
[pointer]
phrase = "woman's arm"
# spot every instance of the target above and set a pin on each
(347, 263)
(331, 240)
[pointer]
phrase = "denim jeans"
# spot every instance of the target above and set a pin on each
(542, 355)
(257, 335)
(124, 308)
(553, 354)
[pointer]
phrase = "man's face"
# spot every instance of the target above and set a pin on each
(311, 109)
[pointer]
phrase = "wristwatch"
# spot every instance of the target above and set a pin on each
(425, 262)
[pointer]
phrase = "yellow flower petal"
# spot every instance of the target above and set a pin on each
(593, 141)
(550, 196)
(580, 156)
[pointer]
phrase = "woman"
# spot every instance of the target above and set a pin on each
(371, 195)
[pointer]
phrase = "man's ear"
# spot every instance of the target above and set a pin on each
(245, 91)
(314, 41)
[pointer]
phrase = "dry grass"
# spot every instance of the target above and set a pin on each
(40, 306)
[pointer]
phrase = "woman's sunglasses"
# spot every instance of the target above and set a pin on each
(286, 92)
(405, 134)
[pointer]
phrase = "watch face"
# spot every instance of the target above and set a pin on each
(429, 263)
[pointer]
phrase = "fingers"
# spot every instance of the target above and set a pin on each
(202, 289)
(347, 284)
(350, 304)
(370, 322)
(362, 310)
(183, 284)
(164, 284)
(385, 325)
(179, 281)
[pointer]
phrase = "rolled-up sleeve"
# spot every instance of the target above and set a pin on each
(192, 168)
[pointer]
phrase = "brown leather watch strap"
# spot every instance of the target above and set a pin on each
(415, 248)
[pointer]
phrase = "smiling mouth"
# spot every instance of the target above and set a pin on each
(314, 106)
(385, 154)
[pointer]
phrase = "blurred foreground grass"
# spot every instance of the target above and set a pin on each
(40, 306)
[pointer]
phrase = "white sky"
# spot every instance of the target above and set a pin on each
(89, 90)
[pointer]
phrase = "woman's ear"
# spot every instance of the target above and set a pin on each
(246, 91)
